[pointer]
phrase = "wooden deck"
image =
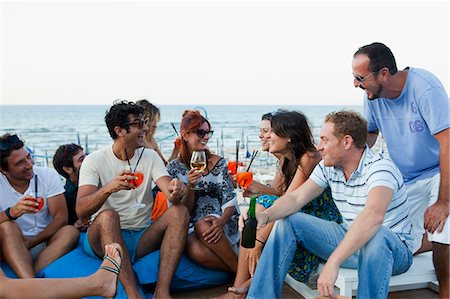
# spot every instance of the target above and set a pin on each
(289, 293)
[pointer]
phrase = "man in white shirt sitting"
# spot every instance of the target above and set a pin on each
(31, 239)
(107, 193)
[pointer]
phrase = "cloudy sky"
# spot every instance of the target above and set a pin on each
(214, 52)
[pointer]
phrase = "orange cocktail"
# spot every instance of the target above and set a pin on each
(232, 167)
(244, 179)
(140, 178)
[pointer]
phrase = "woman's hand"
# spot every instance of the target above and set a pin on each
(193, 177)
(253, 256)
(215, 232)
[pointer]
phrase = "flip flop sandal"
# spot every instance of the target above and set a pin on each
(117, 268)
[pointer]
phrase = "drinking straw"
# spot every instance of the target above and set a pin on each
(175, 129)
(36, 185)
(254, 154)
(237, 154)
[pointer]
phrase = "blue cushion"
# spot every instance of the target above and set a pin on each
(8, 271)
(187, 276)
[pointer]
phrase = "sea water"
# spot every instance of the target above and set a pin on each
(44, 128)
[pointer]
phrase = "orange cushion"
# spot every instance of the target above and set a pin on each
(159, 206)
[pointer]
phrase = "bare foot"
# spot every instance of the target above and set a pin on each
(106, 275)
(234, 293)
(231, 295)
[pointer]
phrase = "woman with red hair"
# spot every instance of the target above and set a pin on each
(213, 238)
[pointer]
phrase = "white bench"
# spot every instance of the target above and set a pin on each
(419, 276)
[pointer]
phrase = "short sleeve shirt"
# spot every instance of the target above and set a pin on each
(350, 196)
(102, 166)
(49, 185)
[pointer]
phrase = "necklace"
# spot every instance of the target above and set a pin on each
(137, 162)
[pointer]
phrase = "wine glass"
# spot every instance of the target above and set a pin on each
(139, 174)
(40, 200)
(198, 162)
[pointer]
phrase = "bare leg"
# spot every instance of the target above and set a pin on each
(440, 260)
(426, 245)
(202, 255)
(168, 232)
(242, 274)
(243, 279)
(62, 242)
(222, 249)
(16, 254)
(106, 230)
(101, 283)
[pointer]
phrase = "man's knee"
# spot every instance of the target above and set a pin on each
(380, 242)
(109, 217)
(9, 229)
(68, 232)
(180, 213)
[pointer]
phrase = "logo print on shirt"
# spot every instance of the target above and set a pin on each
(416, 126)
(413, 107)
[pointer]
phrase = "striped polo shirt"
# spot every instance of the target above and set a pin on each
(350, 196)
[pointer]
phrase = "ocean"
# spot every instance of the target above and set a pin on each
(44, 128)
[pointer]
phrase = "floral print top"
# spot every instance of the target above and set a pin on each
(217, 195)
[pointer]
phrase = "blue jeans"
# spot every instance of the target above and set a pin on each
(383, 255)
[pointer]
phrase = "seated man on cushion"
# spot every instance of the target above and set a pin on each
(31, 238)
(107, 191)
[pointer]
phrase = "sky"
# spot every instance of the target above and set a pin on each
(208, 52)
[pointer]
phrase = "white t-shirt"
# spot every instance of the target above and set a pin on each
(49, 185)
(102, 166)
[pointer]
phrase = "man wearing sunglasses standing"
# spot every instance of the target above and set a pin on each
(30, 239)
(411, 109)
(105, 195)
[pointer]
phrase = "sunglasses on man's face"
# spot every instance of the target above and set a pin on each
(10, 141)
(201, 133)
(140, 122)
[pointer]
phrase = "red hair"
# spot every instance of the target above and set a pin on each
(190, 122)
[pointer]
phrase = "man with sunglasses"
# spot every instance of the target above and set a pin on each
(30, 239)
(411, 109)
(67, 162)
(105, 196)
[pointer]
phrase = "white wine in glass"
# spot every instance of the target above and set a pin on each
(198, 162)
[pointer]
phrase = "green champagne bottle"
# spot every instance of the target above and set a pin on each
(249, 232)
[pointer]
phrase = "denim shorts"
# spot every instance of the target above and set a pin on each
(130, 238)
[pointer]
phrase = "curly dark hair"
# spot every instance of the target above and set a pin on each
(118, 115)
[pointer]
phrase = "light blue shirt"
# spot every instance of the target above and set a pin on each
(409, 122)
(350, 196)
